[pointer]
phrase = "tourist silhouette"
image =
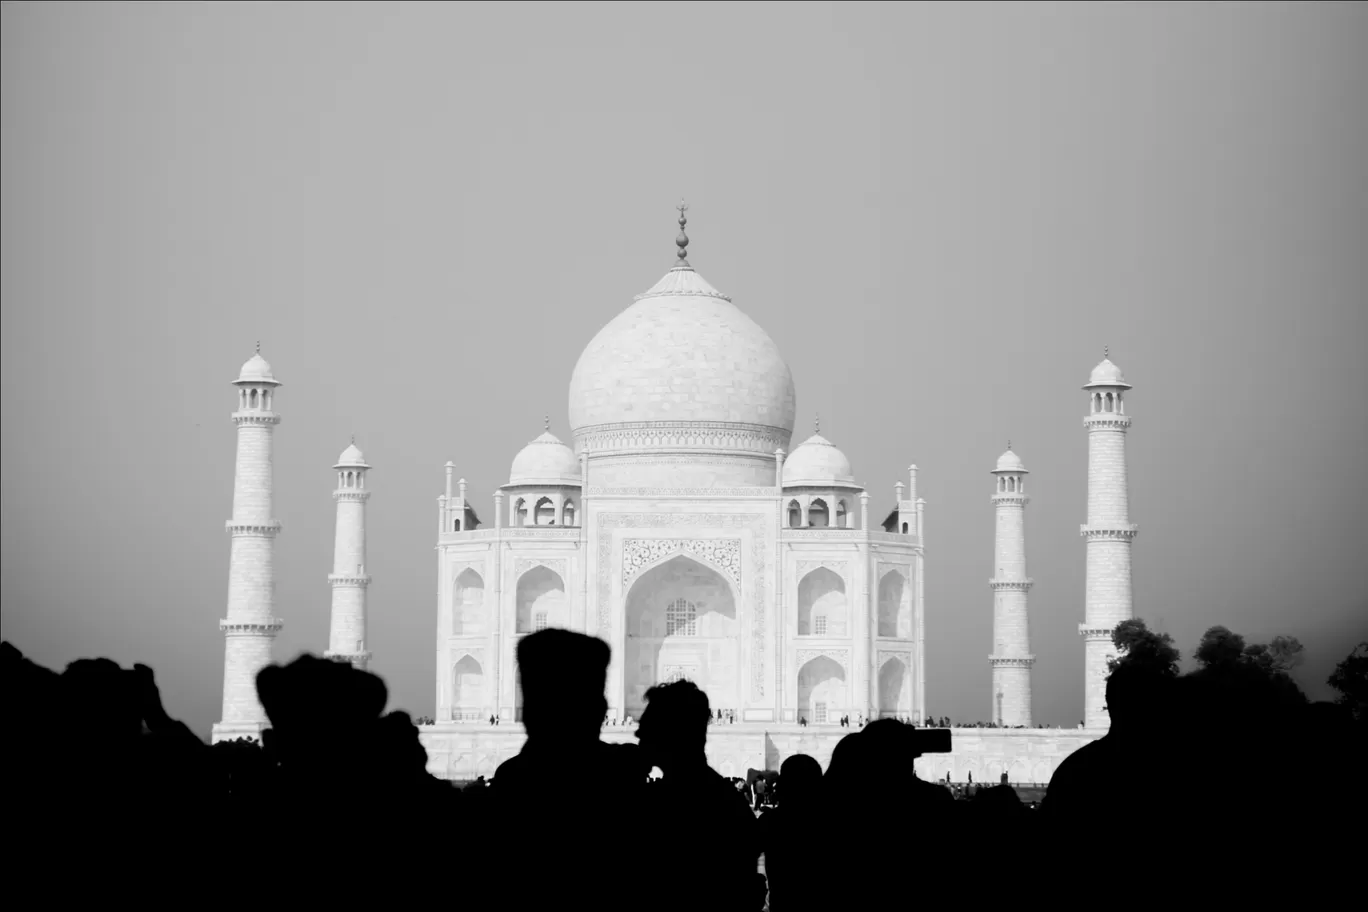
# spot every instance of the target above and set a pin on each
(696, 810)
(565, 809)
(783, 839)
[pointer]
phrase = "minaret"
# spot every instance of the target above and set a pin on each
(1011, 659)
(347, 631)
(251, 624)
(1108, 533)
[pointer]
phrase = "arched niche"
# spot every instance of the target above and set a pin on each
(467, 690)
(895, 605)
(467, 604)
(681, 621)
(822, 694)
(819, 515)
(822, 604)
(795, 515)
(541, 600)
(545, 512)
(894, 699)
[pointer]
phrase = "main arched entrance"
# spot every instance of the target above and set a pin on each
(681, 622)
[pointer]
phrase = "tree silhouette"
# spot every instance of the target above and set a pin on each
(1141, 647)
(1220, 648)
(1350, 678)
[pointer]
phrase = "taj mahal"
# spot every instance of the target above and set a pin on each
(683, 525)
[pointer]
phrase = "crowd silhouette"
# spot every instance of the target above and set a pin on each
(107, 794)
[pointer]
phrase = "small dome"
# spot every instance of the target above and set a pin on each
(817, 462)
(256, 370)
(1010, 462)
(1107, 374)
(545, 461)
(351, 458)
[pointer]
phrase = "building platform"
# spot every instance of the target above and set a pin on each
(465, 751)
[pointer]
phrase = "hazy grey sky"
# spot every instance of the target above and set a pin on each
(940, 213)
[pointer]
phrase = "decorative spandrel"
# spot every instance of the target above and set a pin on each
(641, 553)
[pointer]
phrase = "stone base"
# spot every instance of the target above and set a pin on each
(231, 731)
(1029, 755)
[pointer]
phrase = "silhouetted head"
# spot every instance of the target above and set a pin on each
(1136, 696)
(800, 777)
(674, 726)
(105, 696)
(311, 702)
(849, 765)
(563, 677)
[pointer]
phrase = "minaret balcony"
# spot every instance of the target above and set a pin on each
(255, 419)
(1001, 585)
(352, 495)
(1018, 500)
(1122, 532)
(267, 528)
(1095, 633)
(998, 661)
(348, 580)
(1112, 421)
(238, 627)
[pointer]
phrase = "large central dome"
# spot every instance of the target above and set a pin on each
(683, 370)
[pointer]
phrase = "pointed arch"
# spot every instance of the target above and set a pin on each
(894, 698)
(467, 690)
(541, 600)
(895, 605)
(467, 604)
(568, 513)
(681, 620)
(544, 513)
(795, 515)
(842, 514)
(822, 692)
(819, 515)
(822, 604)
(520, 512)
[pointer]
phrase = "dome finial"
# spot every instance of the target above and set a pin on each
(258, 349)
(546, 423)
(683, 240)
(353, 440)
(1009, 446)
(1106, 352)
(816, 423)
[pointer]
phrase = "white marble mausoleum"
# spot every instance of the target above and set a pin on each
(682, 524)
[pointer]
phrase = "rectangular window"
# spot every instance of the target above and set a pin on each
(819, 713)
(819, 625)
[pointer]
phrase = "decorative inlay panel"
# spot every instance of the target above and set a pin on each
(640, 553)
(475, 652)
(884, 567)
(840, 568)
(757, 523)
(839, 656)
(555, 564)
(459, 568)
(886, 654)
